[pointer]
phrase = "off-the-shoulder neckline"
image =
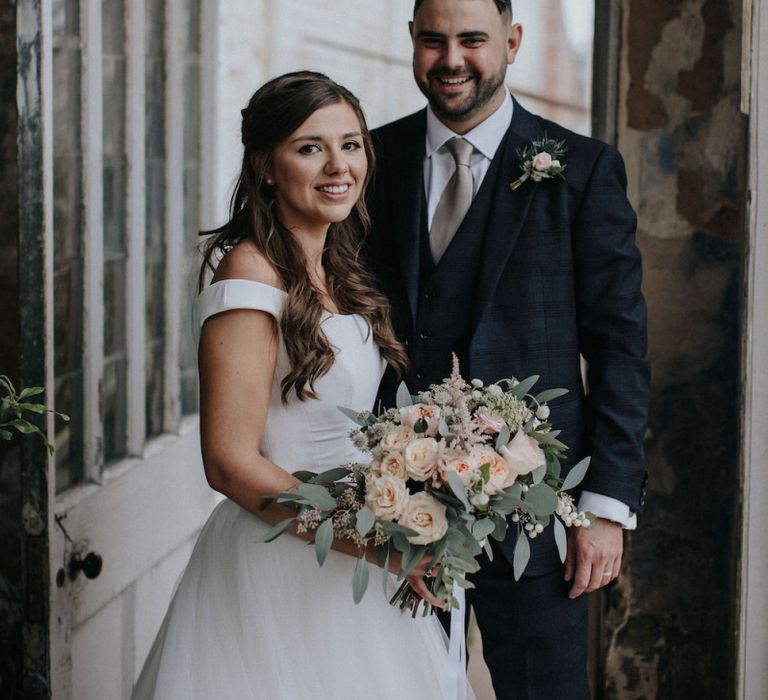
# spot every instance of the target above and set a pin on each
(270, 287)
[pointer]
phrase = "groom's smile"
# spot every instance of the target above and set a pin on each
(461, 49)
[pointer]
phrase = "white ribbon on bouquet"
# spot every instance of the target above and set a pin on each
(457, 648)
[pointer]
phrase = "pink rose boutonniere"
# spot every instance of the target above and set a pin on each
(540, 160)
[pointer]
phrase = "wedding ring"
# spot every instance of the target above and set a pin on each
(606, 574)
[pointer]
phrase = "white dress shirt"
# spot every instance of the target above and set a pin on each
(438, 169)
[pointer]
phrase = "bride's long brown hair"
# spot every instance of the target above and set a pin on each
(274, 112)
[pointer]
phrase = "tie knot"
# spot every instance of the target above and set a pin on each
(461, 150)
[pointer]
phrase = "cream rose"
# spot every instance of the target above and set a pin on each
(500, 477)
(425, 515)
(421, 458)
(386, 496)
(464, 465)
(396, 438)
(523, 454)
(410, 415)
(393, 464)
(488, 422)
(542, 161)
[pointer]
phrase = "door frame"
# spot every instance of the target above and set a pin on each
(752, 632)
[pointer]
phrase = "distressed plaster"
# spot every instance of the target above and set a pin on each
(684, 139)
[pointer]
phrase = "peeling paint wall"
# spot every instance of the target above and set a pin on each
(680, 129)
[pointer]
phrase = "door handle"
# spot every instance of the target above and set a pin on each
(90, 565)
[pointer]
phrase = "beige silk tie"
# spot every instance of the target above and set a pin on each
(455, 200)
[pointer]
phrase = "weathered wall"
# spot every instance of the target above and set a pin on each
(684, 140)
(10, 497)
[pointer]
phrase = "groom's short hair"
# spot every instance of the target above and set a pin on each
(501, 5)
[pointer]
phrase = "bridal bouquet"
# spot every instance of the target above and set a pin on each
(449, 468)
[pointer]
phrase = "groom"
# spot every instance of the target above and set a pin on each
(518, 282)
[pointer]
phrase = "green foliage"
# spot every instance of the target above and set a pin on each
(14, 405)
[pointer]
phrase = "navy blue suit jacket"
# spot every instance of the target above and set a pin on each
(560, 276)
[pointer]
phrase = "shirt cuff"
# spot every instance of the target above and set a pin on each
(608, 508)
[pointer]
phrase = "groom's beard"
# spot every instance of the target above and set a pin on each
(454, 109)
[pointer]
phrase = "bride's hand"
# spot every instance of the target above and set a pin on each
(416, 580)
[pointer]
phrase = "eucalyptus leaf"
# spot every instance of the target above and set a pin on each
(469, 565)
(5, 435)
(304, 475)
(439, 551)
(360, 580)
(547, 439)
(403, 398)
(331, 475)
(502, 439)
(323, 540)
(277, 530)
(554, 467)
(382, 556)
(538, 474)
(458, 488)
(391, 528)
(365, 519)
(524, 386)
(352, 415)
(575, 476)
(32, 407)
(542, 499)
(411, 560)
(488, 550)
(443, 428)
(560, 539)
(522, 554)
(483, 528)
(463, 583)
(401, 543)
(317, 496)
(500, 528)
(549, 395)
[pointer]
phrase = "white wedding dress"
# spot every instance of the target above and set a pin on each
(252, 620)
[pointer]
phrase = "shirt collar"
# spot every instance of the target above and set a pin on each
(485, 137)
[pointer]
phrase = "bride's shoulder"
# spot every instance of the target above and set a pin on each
(246, 262)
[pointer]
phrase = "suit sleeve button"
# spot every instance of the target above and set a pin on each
(424, 335)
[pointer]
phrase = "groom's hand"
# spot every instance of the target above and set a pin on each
(594, 556)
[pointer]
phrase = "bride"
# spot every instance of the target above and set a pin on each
(292, 327)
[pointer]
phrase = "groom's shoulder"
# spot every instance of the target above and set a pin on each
(401, 131)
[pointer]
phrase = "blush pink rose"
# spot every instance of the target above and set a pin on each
(487, 422)
(464, 465)
(500, 476)
(542, 162)
(410, 415)
(523, 454)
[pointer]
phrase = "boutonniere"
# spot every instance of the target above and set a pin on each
(540, 160)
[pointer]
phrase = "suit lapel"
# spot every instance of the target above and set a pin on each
(407, 172)
(509, 208)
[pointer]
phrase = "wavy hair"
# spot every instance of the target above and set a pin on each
(273, 113)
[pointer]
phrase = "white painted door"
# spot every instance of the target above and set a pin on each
(128, 112)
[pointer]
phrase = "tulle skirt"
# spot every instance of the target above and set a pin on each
(253, 620)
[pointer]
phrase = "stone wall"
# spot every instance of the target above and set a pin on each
(671, 618)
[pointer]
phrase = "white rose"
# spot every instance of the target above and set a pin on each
(393, 464)
(386, 496)
(421, 458)
(464, 465)
(410, 415)
(397, 438)
(523, 454)
(500, 477)
(426, 515)
(542, 161)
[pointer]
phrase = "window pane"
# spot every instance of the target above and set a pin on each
(552, 75)
(155, 209)
(67, 232)
(113, 390)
